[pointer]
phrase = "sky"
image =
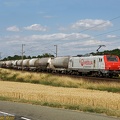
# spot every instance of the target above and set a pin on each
(75, 26)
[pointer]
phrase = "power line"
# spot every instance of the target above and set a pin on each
(97, 35)
(99, 24)
(90, 29)
(53, 42)
(107, 32)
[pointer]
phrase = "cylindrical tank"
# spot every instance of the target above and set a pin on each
(14, 63)
(2, 63)
(43, 62)
(32, 62)
(8, 63)
(19, 63)
(60, 62)
(26, 63)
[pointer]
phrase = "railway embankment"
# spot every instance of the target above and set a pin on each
(63, 92)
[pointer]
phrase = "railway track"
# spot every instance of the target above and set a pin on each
(89, 78)
(94, 79)
(76, 77)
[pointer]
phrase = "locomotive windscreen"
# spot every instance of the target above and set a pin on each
(112, 58)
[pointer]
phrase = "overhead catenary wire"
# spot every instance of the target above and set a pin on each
(89, 29)
(47, 45)
(52, 42)
(99, 24)
(96, 36)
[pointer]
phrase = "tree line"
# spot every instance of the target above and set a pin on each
(17, 57)
(108, 52)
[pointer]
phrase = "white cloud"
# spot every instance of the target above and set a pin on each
(68, 44)
(91, 24)
(61, 36)
(92, 42)
(36, 27)
(111, 36)
(88, 42)
(39, 39)
(13, 29)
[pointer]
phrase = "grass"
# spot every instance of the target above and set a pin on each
(62, 92)
(37, 78)
(61, 97)
(58, 81)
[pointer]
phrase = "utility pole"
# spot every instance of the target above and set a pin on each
(0, 56)
(56, 50)
(22, 55)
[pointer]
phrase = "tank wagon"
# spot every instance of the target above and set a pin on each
(33, 64)
(8, 64)
(15, 64)
(2, 64)
(26, 64)
(60, 64)
(19, 64)
(44, 64)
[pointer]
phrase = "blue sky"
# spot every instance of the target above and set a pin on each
(75, 26)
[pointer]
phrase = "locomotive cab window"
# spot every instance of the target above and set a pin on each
(112, 58)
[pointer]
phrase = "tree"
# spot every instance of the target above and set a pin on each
(47, 55)
(110, 52)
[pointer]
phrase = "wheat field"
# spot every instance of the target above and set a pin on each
(60, 95)
(58, 81)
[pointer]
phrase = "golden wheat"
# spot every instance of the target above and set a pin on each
(69, 96)
(76, 96)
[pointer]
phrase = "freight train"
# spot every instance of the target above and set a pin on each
(99, 65)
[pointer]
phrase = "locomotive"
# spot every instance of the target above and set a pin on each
(105, 65)
(99, 65)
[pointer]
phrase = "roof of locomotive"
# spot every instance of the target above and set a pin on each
(88, 55)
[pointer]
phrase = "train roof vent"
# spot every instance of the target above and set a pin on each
(87, 55)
